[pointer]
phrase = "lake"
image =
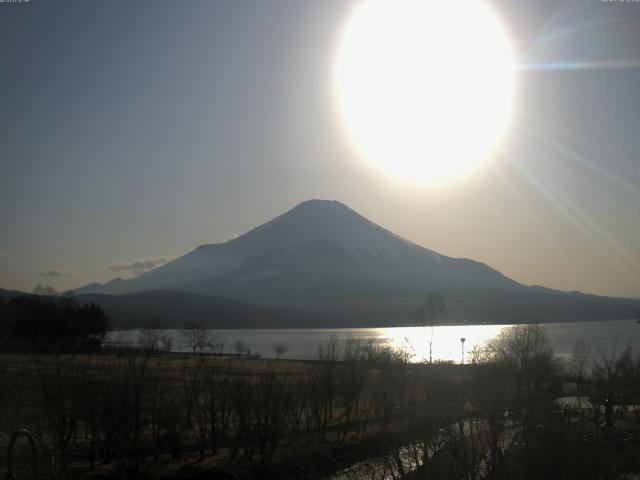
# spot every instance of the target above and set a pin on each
(604, 337)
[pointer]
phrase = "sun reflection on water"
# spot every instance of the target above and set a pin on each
(445, 344)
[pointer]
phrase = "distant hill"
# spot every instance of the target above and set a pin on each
(330, 265)
(173, 309)
(8, 294)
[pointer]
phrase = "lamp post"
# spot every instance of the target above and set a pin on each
(462, 343)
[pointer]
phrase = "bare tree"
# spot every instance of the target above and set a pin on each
(239, 346)
(580, 355)
(524, 350)
(614, 381)
(60, 402)
(428, 314)
(166, 342)
(217, 343)
(194, 336)
(149, 339)
(279, 349)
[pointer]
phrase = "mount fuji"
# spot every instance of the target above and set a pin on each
(321, 255)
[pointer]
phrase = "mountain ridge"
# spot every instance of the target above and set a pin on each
(173, 309)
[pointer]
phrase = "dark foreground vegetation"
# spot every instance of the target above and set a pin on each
(44, 322)
(358, 411)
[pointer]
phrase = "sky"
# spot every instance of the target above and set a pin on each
(132, 132)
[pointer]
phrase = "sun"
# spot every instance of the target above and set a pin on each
(424, 87)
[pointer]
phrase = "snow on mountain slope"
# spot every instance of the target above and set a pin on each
(322, 220)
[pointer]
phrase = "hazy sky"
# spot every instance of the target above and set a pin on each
(131, 132)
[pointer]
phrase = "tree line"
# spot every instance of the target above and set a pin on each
(47, 322)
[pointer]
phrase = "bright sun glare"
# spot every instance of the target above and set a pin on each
(425, 87)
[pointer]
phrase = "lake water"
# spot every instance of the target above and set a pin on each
(604, 337)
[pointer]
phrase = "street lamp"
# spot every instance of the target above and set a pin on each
(462, 342)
